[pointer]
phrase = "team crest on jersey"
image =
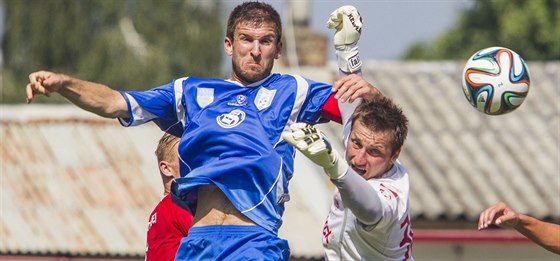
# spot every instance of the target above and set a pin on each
(387, 192)
(204, 96)
(240, 100)
(231, 119)
(264, 98)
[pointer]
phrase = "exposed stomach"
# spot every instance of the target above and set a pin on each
(214, 208)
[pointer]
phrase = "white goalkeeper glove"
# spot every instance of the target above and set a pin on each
(348, 24)
(315, 146)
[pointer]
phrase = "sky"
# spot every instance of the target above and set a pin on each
(390, 26)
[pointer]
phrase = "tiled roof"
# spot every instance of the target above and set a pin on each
(75, 184)
(461, 160)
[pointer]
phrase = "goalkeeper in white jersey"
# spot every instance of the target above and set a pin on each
(369, 217)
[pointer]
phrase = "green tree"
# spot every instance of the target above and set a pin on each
(126, 44)
(531, 28)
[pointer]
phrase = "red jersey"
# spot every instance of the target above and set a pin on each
(167, 225)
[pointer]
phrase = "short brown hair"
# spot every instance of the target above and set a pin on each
(381, 114)
(255, 12)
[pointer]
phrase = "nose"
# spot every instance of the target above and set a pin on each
(359, 158)
(256, 49)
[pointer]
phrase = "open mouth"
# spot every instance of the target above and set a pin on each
(360, 171)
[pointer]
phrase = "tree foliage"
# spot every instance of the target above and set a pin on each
(126, 44)
(531, 28)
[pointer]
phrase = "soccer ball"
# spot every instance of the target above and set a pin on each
(495, 80)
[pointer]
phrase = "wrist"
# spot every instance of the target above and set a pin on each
(64, 82)
(522, 221)
(348, 58)
(338, 169)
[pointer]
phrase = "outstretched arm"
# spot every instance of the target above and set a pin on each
(543, 233)
(360, 197)
(93, 97)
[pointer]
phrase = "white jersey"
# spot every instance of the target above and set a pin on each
(346, 238)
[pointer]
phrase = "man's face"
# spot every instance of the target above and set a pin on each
(253, 50)
(369, 153)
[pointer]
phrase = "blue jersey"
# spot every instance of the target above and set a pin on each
(231, 135)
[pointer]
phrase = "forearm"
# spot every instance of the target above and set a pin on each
(94, 97)
(545, 234)
(360, 197)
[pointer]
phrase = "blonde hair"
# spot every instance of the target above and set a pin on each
(163, 150)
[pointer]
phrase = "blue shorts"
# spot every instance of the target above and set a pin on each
(232, 243)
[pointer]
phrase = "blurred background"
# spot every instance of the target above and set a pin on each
(78, 187)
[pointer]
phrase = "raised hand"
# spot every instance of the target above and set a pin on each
(315, 146)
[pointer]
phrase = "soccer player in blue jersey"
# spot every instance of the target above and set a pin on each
(235, 166)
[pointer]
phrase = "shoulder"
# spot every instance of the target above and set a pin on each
(198, 80)
(277, 78)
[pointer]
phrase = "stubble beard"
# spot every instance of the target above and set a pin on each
(249, 76)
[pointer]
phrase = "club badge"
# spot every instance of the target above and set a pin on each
(231, 119)
(204, 96)
(240, 100)
(264, 98)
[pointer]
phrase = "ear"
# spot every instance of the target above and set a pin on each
(395, 156)
(228, 46)
(278, 50)
(165, 170)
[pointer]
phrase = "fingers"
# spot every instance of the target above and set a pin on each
(305, 137)
(486, 218)
(301, 130)
(293, 136)
(29, 92)
(34, 78)
(334, 21)
(351, 87)
(496, 214)
(34, 86)
(42, 82)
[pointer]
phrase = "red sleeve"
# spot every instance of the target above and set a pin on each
(330, 110)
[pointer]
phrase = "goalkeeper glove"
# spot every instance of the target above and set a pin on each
(315, 146)
(348, 24)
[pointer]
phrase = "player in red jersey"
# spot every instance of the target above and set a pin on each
(170, 221)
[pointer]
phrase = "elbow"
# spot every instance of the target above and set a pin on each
(370, 217)
(117, 108)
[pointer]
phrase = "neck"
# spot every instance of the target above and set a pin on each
(166, 188)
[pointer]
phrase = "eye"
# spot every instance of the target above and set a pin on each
(267, 40)
(244, 38)
(356, 143)
(374, 152)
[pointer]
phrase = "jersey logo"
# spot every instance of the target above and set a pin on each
(387, 192)
(204, 96)
(264, 98)
(152, 220)
(231, 119)
(240, 100)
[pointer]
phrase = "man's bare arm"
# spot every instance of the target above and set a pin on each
(93, 97)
